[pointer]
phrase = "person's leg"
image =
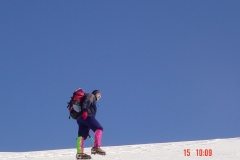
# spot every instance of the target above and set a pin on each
(96, 127)
(80, 144)
(92, 123)
(98, 138)
(83, 131)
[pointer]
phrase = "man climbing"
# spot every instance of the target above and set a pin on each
(87, 121)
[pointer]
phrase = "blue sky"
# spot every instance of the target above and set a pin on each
(168, 70)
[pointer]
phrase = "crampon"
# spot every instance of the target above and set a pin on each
(96, 150)
(82, 156)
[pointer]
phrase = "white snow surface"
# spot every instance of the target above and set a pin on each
(222, 149)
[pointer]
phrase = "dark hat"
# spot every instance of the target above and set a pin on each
(95, 92)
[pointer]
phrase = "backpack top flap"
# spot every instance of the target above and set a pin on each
(77, 96)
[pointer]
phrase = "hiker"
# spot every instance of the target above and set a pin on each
(87, 121)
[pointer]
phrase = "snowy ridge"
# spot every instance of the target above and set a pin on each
(222, 149)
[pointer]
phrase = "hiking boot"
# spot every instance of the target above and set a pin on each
(97, 150)
(83, 156)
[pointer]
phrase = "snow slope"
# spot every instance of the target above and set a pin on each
(222, 149)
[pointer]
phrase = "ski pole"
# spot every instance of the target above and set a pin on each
(91, 138)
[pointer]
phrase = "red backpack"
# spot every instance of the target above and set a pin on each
(74, 105)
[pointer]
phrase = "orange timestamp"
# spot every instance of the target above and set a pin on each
(199, 152)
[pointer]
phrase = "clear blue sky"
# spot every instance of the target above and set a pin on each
(168, 70)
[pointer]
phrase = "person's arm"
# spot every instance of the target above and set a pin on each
(88, 100)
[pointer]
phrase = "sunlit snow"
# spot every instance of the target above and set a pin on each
(215, 149)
